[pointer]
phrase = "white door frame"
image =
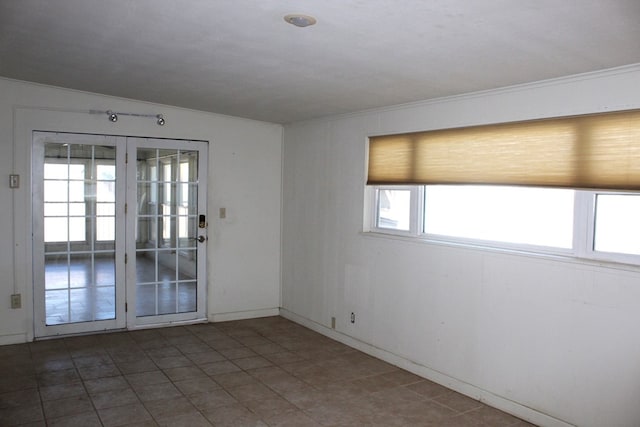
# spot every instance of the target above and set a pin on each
(201, 262)
(125, 295)
(26, 121)
(41, 329)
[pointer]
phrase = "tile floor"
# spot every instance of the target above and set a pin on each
(260, 372)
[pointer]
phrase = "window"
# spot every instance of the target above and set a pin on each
(540, 220)
(523, 185)
(393, 208)
(522, 215)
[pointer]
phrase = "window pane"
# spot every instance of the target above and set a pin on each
(77, 229)
(106, 172)
(55, 209)
(617, 228)
(106, 191)
(394, 209)
(56, 171)
(55, 229)
(76, 191)
(105, 228)
(106, 186)
(153, 176)
(524, 215)
(76, 171)
(77, 209)
(153, 229)
(105, 209)
(168, 222)
(184, 188)
(166, 193)
(183, 223)
(167, 187)
(55, 191)
(184, 172)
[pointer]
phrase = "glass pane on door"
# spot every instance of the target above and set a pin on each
(79, 233)
(166, 231)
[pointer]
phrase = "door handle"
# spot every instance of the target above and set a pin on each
(200, 239)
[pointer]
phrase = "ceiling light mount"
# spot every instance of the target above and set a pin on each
(300, 20)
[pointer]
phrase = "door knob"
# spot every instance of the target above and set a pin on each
(200, 239)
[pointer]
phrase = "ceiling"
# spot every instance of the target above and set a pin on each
(239, 57)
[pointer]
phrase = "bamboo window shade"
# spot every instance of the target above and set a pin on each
(596, 151)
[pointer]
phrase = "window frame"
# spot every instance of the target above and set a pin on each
(415, 209)
(584, 223)
(588, 248)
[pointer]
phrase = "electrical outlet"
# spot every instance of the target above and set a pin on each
(353, 317)
(16, 301)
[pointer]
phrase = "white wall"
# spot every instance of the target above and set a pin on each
(552, 340)
(244, 176)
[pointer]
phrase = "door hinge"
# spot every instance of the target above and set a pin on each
(126, 258)
(126, 207)
(126, 158)
(126, 307)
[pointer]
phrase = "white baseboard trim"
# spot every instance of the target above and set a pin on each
(242, 315)
(13, 339)
(472, 391)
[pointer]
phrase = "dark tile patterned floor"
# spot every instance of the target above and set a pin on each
(260, 372)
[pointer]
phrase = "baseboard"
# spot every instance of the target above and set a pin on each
(13, 339)
(472, 391)
(242, 315)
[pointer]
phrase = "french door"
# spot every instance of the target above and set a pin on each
(166, 248)
(119, 232)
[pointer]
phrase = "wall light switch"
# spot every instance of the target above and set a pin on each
(16, 301)
(223, 213)
(14, 181)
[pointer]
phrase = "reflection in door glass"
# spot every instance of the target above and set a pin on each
(167, 223)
